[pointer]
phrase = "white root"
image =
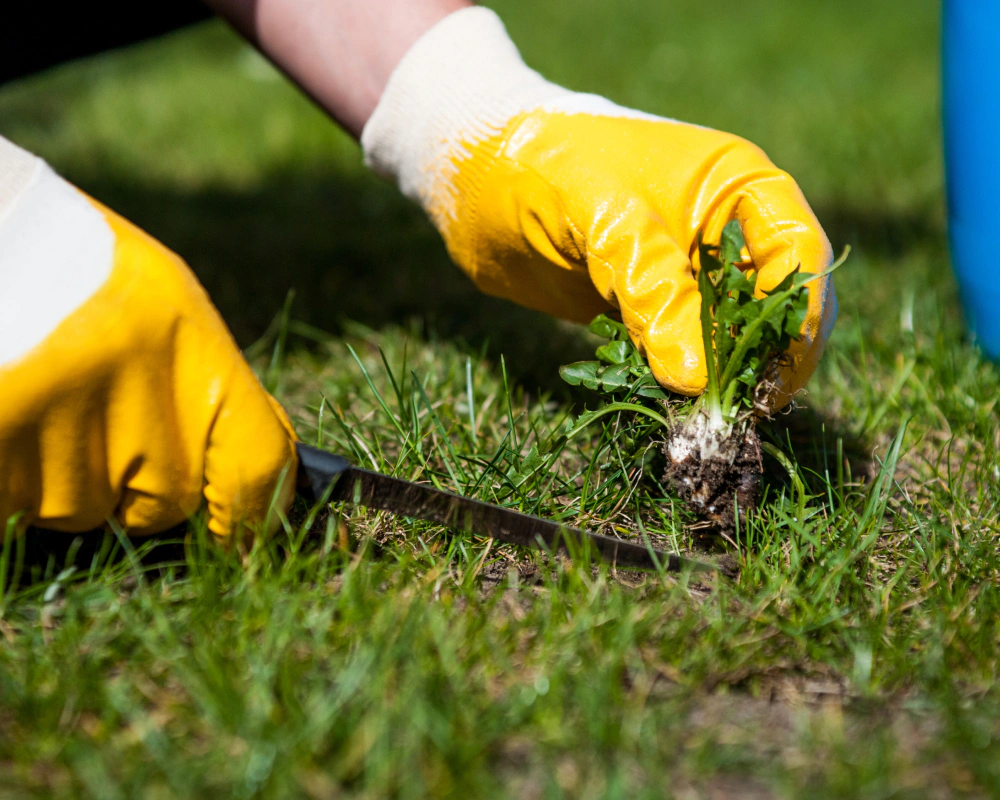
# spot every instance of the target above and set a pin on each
(710, 467)
(705, 439)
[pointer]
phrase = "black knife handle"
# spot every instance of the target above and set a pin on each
(317, 470)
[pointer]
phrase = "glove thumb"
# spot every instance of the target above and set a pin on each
(250, 461)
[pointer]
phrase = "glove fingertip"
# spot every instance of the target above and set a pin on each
(673, 346)
(684, 375)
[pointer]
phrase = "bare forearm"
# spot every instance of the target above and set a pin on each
(341, 52)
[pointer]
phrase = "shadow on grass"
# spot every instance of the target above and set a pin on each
(882, 234)
(47, 553)
(815, 440)
(353, 250)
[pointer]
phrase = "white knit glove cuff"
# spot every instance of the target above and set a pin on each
(56, 250)
(459, 84)
(17, 170)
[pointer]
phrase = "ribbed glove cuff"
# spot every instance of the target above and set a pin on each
(459, 84)
(17, 168)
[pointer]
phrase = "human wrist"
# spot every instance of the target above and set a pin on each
(461, 82)
(340, 52)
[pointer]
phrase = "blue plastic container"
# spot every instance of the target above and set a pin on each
(971, 65)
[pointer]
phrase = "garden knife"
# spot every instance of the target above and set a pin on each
(323, 475)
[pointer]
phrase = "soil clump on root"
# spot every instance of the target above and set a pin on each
(715, 472)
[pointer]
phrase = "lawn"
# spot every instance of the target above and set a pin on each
(853, 654)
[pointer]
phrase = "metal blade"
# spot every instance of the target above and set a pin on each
(374, 490)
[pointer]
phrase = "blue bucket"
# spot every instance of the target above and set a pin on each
(971, 86)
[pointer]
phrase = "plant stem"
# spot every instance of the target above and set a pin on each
(712, 398)
(727, 400)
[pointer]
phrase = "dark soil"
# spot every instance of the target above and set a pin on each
(720, 487)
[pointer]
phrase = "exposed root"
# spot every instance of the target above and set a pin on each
(716, 471)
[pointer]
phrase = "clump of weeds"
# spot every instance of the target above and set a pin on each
(710, 444)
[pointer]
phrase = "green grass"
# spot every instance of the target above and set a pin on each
(854, 655)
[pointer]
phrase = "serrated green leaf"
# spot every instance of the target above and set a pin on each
(789, 281)
(614, 352)
(608, 328)
(614, 378)
(799, 277)
(750, 312)
(748, 376)
(581, 373)
(742, 283)
(651, 392)
(795, 316)
(635, 358)
(732, 242)
(532, 462)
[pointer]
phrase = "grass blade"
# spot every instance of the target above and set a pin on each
(471, 397)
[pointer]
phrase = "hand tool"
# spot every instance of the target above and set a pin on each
(319, 469)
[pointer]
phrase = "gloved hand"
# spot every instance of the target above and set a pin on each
(567, 203)
(123, 392)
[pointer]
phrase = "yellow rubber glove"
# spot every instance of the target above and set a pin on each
(123, 392)
(570, 204)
